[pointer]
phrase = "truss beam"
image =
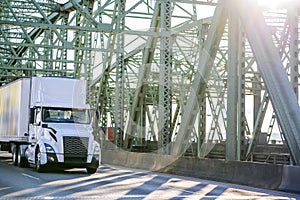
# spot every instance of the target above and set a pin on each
(272, 71)
(207, 56)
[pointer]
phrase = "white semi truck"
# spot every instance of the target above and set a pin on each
(45, 121)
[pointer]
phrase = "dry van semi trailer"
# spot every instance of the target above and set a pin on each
(45, 121)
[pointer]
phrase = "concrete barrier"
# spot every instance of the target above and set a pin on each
(244, 173)
(147, 161)
(260, 175)
(267, 176)
(290, 179)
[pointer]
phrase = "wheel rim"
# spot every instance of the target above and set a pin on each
(14, 156)
(19, 158)
(38, 161)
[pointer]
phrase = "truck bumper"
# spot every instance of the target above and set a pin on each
(78, 161)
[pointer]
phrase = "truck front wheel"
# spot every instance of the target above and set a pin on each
(91, 170)
(38, 166)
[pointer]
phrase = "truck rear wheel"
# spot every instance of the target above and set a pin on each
(15, 155)
(21, 160)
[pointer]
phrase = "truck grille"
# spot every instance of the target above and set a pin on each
(75, 148)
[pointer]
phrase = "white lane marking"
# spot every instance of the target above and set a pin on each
(5, 188)
(29, 176)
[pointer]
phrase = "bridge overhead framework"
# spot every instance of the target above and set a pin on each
(202, 78)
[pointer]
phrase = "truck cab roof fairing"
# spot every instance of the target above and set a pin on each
(58, 92)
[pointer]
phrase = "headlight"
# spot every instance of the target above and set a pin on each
(97, 150)
(49, 149)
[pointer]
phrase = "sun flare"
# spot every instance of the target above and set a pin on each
(272, 4)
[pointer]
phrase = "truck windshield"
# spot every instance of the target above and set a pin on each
(65, 115)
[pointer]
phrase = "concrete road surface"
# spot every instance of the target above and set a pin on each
(112, 182)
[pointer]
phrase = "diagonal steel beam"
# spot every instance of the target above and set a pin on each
(148, 55)
(84, 12)
(207, 57)
(280, 91)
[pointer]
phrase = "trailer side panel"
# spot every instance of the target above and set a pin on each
(14, 111)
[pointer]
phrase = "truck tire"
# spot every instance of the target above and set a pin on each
(15, 155)
(21, 160)
(91, 170)
(38, 166)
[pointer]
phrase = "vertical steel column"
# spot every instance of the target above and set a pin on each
(120, 76)
(202, 110)
(84, 43)
(88, 55)
(232, 86)
(257, 88)
(201, 124)
(165, 77)
(64, 53)
(78, 53)
(294, 51)
(47, 65)
(104, 96)
(101, 100)
(242, 122)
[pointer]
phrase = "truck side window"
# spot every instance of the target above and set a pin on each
(31, 120)
(35, 115)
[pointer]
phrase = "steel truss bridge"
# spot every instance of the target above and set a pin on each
(178, 76)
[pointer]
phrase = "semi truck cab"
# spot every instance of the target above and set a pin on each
(45, 121)
(62, 137)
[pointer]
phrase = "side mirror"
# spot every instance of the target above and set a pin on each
(45, 125)
(26, 134)
(37, 124)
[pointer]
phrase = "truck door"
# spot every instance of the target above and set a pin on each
(35, 128)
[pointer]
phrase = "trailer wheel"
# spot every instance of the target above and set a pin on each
(22, 161)
(38, 166)
(15, 155)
